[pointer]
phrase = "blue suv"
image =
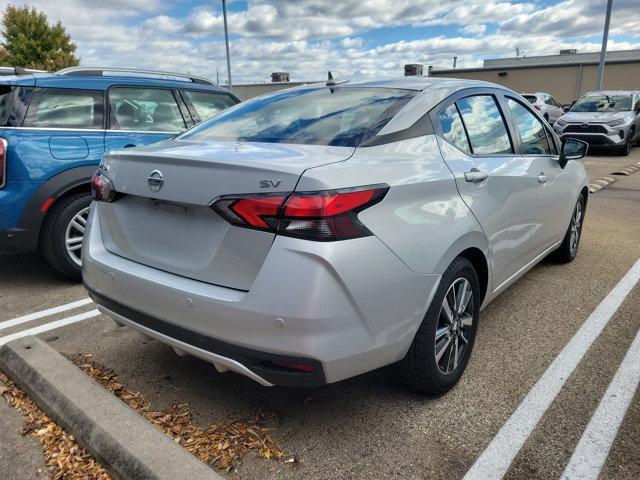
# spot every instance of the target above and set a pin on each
(54, 129)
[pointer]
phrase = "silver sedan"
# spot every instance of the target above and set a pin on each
(321, 232)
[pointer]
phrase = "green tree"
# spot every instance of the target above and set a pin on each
(30, 41)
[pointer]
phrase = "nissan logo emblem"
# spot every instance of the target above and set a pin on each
(585, 125)
(155, 180)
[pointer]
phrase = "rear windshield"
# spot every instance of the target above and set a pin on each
(600, 102)
(340, 116)
(530, 98)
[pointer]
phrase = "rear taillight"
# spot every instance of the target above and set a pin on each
(322, 216)
(3, 162)
(537, 107)
(102, 189)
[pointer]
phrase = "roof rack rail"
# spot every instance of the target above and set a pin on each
(97, 71)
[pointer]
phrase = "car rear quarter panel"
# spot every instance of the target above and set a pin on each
(422, 219)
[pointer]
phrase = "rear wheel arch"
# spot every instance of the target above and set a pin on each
(480, 265)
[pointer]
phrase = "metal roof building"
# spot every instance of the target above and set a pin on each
(567, 76)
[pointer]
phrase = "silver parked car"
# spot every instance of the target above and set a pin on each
(317, 233)
(548, 107)
(604, 119)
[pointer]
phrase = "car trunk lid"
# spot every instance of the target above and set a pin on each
(165, 220)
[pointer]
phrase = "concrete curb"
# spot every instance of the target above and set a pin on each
(124, 442)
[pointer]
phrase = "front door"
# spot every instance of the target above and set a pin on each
(498, 185)
(553, 207)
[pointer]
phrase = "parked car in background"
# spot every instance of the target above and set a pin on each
(604, 119)
(9, 71)
(316, 233)
(546, 105)
(54, 130)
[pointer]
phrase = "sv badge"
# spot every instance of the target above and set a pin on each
(270, 183)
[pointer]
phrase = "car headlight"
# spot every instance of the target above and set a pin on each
(617, 121)
(560, 122)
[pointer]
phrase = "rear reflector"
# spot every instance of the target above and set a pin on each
(3, 162)
(301, 367)
(47, 204)
(321, 216)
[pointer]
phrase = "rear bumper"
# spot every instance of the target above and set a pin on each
(24, 237)
(344, 307)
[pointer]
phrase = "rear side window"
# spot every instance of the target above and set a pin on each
(485, 125)
(144, 109)
(65, 108)
(532, 131)
(207, 104)
(452, 128)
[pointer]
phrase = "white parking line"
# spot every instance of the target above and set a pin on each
(494, 462)
(49, 326)
(594, 445)
(44, 313)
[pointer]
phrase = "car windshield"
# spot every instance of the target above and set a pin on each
(340, 116)
(601, 102)
(530, 98)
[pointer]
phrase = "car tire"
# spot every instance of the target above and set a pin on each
(430, 364)
(62, 227)
(569, 247)
(626, 149)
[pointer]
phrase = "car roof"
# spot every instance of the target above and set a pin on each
(421, 84)
(103, 82)
(613, 92)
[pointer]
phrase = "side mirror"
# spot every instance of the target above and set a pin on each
(566, 108)
(572, 149)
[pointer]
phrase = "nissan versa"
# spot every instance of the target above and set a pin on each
(320, 232)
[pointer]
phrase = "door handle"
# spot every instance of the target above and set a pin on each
(475, 175)
(129, 145)
(542, 178)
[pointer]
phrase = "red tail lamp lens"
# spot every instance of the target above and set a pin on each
(322, 216)
(102, 189)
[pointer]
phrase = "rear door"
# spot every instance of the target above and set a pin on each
(496, 183)
(140, 116)
(65, 129)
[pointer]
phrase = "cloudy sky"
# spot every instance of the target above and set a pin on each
(361, 39)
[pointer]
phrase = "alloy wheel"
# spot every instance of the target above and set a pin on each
(453, 331)
(576, 227)
(74, 235)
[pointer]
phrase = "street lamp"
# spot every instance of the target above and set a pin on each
(603, 50)
(226, 40)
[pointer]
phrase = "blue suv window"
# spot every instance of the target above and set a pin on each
(207, 104)
(144, 109)
(13, 104)
(65, 108)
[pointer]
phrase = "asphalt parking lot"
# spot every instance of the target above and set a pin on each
(369, 426)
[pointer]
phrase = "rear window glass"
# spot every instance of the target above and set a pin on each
(207, 104)
(145, 110)
(485, 126)
(65, 108)
(530, 98)
(340, 116)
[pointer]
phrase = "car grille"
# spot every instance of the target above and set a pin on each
(585, 129)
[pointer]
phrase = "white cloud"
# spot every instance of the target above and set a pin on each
(308, 37)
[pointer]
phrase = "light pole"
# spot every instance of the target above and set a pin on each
(226, 40)
(603, 50)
